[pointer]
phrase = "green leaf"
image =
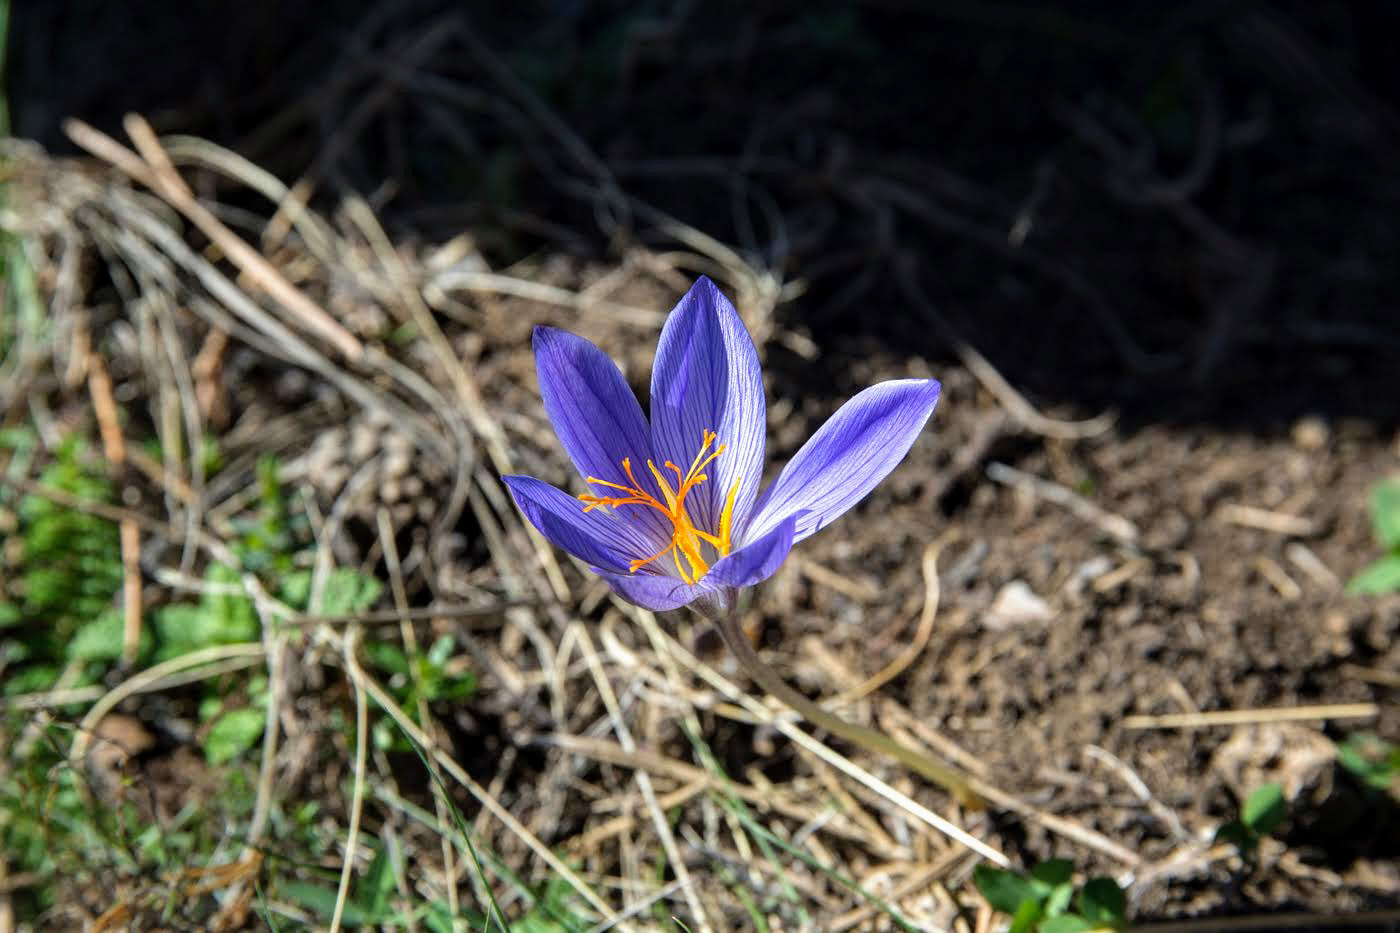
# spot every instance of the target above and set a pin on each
(386, 656)
(1385, 512)
(1068, 923)
(99, 640)
(1005, 890)
(348, 591)
(30, 679)
(1103, 902)
(375, 888)
(1239, 834)
(296, 589)
(1053, 872)
(232, 617)
(1372, 760)
(1059, 899)
(451, 689)
(437, 917)
(320, 900)
(441, 650)
(233, 734)
(1379, 578)
(20, 437)
(1264, 809)
(1026, 917)
(223, 616)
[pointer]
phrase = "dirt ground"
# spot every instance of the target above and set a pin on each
(1179, 222)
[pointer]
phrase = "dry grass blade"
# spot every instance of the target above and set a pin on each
(1244, 717)
(159, 174)
(1115, 526)
(917, 644)
(1249, 516)
(695, 780)
(494, 282)
(152, 678)
(624, 735)
(451, 767)
(831, 758)
(114, 447)
(357, 794)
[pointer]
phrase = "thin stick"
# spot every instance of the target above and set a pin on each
(145, 681)
(357, 794)
(1293, 526)
(48, 699)
(157, 173)
(1241, 717)
(7, 910)
(388, 616)
(130, 538)
(1115, 526)
(934, 770)
(104, 405)
(69, 696)
(921, 637)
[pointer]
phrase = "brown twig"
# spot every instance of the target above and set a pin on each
(922, 634)
(114, 447)
(157, 173)
(1115, 526)
(1244, 717)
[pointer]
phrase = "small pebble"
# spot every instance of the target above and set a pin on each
(1016, 604)
(1311, 433)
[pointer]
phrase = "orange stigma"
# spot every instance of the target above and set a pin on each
(686, 539)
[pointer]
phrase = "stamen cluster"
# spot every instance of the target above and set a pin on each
(685, 537)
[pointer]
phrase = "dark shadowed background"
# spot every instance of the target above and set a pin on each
(1188, 214)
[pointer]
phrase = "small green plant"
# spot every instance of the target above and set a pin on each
(69, 572)
(1372, 761)
(1045, 901)
(430, 677)
(369, 902)
(1263, 811)
(1383, 575)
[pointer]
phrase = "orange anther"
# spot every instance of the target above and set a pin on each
(685, 537)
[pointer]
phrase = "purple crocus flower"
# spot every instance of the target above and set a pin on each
(674, 515)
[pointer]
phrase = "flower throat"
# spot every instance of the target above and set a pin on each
(686, 539)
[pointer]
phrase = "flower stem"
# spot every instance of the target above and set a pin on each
(930, 767)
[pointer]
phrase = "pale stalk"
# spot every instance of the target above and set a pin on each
(939, 772)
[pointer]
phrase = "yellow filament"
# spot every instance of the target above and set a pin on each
(685, 537)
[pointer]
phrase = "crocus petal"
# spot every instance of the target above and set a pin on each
(758, 560)
(600, 537)
(847, 457)
(595, 414)
(707, 378)
(653, 591)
